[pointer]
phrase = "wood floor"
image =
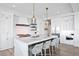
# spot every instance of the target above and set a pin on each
(63, 50)
(7, 52)
(67, 50)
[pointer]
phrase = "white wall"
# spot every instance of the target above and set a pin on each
(40, 26)
(76, 36)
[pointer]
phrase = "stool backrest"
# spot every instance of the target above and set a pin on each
(37, 48)
(47, 44)
(55, 42)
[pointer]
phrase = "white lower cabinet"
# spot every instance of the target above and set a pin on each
(65, 41)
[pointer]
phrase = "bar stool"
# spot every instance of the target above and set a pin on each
(37, 49)
(55, 43)
(46, 46)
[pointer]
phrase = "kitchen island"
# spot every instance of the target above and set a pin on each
(21, 45)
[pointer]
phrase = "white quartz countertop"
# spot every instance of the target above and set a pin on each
(29, 40)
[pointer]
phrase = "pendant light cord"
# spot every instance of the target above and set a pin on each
(33, 9)
(46, 12)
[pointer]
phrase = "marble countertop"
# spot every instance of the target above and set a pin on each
(30, 40)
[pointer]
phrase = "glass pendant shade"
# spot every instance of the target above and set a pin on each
(46, 12)
(33, 18)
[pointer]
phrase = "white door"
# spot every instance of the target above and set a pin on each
(3, 34)
(6, 36)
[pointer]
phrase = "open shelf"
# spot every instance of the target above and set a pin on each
(33, 24)
(22, 25)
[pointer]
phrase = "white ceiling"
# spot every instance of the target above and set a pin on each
(54, 8)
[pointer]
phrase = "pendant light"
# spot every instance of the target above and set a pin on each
(47, 13)
(33, 24)
(48, 23)
(33, 18)
(47, 18)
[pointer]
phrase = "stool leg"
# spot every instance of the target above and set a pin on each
(52, 50)
(34, 54)
(44, 52)
(41, 53)
(49, 51)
